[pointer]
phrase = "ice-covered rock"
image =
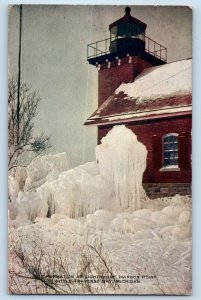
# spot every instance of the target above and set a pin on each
(166, 232)
(135, 225)
(99, 220)
(13, 188)
(117, 225)
(181, 232)
(20, 175)
(126, 223)
(56, 218)
(30, 206)
(43, 223)
(44, 168)
(180, 200)
(173, 210)
(143, 234)
(99, 237)
(184, 217)
(142, 213)
(19, 223)
(161, 219)
(16, 181)
(71, 226)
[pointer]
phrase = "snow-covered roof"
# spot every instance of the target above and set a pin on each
(161, 90)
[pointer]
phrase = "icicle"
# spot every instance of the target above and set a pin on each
(122, 161)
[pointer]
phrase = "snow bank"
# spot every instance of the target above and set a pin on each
(122, 161)
(161, 82)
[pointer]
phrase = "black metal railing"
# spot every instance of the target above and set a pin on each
(155, 49)
(102, 47)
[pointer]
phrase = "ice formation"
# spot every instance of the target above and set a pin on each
(16, 181)
(122, 162)
(45, 168)
(30, 206)
(142, 242)
(58, 215)
(112, 183)
(76, 192)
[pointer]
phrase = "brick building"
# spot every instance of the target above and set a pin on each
(138, 88)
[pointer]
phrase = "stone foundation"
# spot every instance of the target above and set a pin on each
(157, 190)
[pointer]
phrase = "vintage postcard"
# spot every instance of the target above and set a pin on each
(99, 157)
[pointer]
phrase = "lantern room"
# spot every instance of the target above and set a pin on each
(126, 33)
(127, 38)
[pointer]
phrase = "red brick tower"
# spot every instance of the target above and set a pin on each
(124, 55)
(162, 123)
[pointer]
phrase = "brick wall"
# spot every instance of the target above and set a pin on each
(111, 75)
(157, 182)
(145, 133)
(157, 190)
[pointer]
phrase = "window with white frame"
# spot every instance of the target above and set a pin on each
(170, 150)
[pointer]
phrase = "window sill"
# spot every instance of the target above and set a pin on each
(168, 169)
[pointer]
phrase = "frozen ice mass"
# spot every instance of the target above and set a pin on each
(113, 181)
(70, 212)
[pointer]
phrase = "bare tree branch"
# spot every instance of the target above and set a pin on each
(41, 271)
(21, 139)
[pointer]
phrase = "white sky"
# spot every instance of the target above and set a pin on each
(54, 43)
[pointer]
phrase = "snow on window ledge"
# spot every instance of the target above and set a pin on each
(169, 168)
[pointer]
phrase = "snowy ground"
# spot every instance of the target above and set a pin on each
(91, 230)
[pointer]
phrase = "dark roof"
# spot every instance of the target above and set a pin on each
(119, 110)
(127, 18)
(142, 103)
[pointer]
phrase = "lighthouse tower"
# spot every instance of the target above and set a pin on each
(156, 105)
(124, 55)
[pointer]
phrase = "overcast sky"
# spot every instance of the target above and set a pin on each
(54, 61)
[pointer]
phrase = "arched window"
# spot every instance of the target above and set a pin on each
(170, 150)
